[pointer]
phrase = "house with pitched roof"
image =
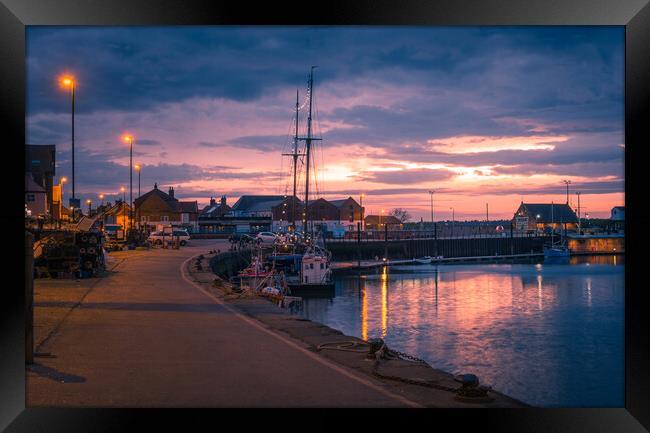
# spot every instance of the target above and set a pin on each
(156, 209)
(531, 217)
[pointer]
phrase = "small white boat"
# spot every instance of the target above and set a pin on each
(426, 260)
(556, 251)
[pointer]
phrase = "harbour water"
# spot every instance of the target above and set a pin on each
(548, 333)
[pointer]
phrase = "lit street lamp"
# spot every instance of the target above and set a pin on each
(129, 139)
(89, 209)
(123, 190)
(101, 197)
(381, 214)
(139, 169)
(431, 194)
(68, 82)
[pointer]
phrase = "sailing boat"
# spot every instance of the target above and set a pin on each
(555, 249)
(310, 262)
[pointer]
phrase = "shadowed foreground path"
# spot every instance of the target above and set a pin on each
(146, 337)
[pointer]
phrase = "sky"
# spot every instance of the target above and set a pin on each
(479, 115)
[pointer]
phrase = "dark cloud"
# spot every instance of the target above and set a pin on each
(404, 177)
(145, 142)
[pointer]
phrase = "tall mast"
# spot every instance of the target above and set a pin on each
(295, 156)
(308, 147)
(295, 165)
(308, 141)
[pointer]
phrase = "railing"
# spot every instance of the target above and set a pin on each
(445, 233)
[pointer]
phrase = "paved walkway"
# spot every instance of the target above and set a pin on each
(146, 337)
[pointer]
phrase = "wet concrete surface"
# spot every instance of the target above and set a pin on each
(146, 336)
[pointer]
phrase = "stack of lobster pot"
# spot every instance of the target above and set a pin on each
(91, 257)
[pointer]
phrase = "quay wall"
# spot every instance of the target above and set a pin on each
(229, 263)
(413, 248)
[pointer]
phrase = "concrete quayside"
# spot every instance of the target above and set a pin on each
(175, 339)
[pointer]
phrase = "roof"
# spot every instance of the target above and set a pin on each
(551, 212)
(340, 202)
(166, 197)
(385, 219)
(257, 203)
(619, 207)
(215, 209)
(187, 206)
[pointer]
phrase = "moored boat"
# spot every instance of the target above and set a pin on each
(426, 260)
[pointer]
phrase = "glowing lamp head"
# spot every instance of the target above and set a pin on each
(137, 167)
(67, 81)
(88, 201)
(122, 189)
(127, 138)
(101, 196)
(64, 179)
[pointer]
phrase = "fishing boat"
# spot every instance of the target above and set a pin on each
(558, 249)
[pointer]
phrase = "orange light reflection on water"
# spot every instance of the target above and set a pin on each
(384, 301)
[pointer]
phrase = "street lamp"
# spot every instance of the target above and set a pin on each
(139, 169)
(380, 215)
(69, 82)
(101, 197)
(123, 190)
(431, 194)
(89, 210)
(361, 204)
(129, 139)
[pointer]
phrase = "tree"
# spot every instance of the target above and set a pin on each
(401, 214)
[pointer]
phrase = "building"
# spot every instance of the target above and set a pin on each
(156, 209)
(379, 222)
(285, 211)
(116, 214)
(35, 197)
(256, 205)
(334, 216)
(214, 210)
(40, 162)
(533, 217)
(618, 213)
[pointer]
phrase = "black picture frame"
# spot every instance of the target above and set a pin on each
(633, 14)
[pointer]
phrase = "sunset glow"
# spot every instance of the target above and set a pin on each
(399, 115)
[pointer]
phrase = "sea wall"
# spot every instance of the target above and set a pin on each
(228, 264)
(412, 248)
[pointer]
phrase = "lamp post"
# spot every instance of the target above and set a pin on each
(361, 204)
(139, 170)
(101, 197)
(60, 210)
(431, 194)
(123, 190)
(89, 202)
(453, 218)
(68, 81)
(567, 182)
(129, 139)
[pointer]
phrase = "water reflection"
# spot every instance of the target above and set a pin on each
(549, 334)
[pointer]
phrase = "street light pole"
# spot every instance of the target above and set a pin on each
(68, 81)
(129, 139)
(89, 209)
(361, 204)
(567, 182)
(431, 194)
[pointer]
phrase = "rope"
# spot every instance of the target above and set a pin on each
(385, 353)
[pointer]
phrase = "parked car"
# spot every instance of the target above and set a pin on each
(240, 237)
(158, 236)
(266, 237)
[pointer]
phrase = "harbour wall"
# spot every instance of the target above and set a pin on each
(229, 263)
(413, 248)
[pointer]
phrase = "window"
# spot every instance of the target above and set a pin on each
(322, 266)
(30, 198)
(311, 266)
(164, 218)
